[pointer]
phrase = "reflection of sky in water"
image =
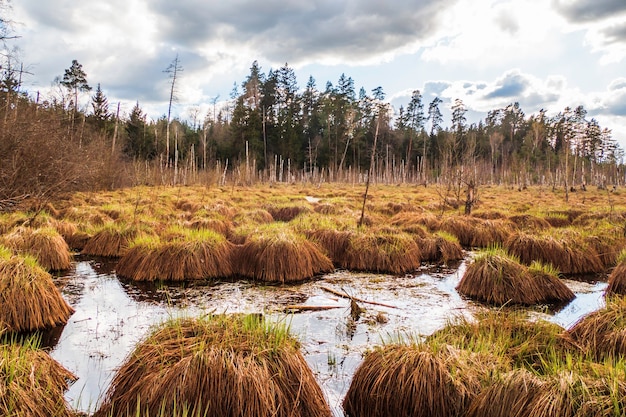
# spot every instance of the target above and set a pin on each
(111, 317)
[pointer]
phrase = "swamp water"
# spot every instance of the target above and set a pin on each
(112, 316)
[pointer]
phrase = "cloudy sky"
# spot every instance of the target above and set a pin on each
(542, 53)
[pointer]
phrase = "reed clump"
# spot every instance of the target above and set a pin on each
(29, 300)
(382, 252)
(617, 278)
(428, 380)
(498, 278)
(603, 332)
(111, 240)
(45, 244)
(31, 382)
(189, 255)
(275, 253)
(238, 365)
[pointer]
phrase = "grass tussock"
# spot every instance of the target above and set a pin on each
(617, 278)
(29, 300)
(570, 254)
(603, 332)
(111, 241)
(528, 222)
(415, 380)
(275, 253)
(512, 395)
(286, 213)
(476, 232)
(45, 244)
(31, 382)
(199, 255)
(216, 366)
(440, 247)
(381, 252)
(497, 278)
(510, 335)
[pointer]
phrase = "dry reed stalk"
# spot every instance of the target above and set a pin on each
(216, 366)
(29, 300)
(603, 332)
(276, 254)
(414, 380)
(381, 252)
(45, 244)
(32, 383)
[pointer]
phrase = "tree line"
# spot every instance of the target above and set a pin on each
(272, 129)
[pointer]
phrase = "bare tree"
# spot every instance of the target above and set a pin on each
(173, 69)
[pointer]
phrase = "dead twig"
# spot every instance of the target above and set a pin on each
(360, 300)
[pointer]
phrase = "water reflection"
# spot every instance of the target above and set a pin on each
(112, 316)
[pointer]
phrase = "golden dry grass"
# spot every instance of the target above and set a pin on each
(382, 252)
(617, 280)
(110, 241)
(45, 244)
(32, 383)
(216, 366)
(275, 253)
(570, 254)
(204, 255)
(603, 332)
(416, 380)
(497, 278)
(29, 300)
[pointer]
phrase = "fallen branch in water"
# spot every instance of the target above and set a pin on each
(360, 300)
(301, 307)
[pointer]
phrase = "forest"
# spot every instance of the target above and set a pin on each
(271, 129)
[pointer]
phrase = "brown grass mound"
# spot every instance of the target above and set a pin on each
(510, 335)
(441, 247)
(78, 240)
(205, 256)
(224, 227)
(497, 278)
(529, 222)
(45, 244)
(475, 232)
(277, 254)
(381, 252)
(603, 332)
(216, 366)
(334, 242)
(414, 380)
(617, 280)
(287, 213)
(111, 241)
(513, 395)
(32, 383)
(29, 300)
(570, 255)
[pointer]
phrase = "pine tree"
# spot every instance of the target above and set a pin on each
(75, 80)
(100, 105)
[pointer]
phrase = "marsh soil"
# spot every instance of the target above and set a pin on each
(112, 316)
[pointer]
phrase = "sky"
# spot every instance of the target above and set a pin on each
(544, 54)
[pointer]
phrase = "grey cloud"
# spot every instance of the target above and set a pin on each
(512, 85)
(292, 30)
(507, 23)
(615, 33)
(589, 10)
